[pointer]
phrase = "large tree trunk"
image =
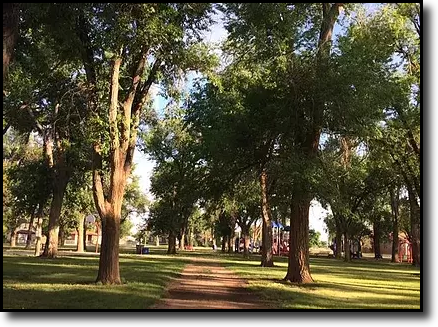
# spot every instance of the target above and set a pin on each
(80, 240)
(13, 241)
(109, 272)
(205, 239)
(84, 238)
(61, 236)
(51, 249)
(394, 207)
(10, 34)
(347, 252)
(39, 230)
(110, 213)
(245, 234)
(29, 230)
(171, 248)
(267, 258)
(376, 240)
(230, 239)
(308, 140)
(224, 242)
(338, 240)
(181, 240)
(298, 270)
(415, 227)
(191, 237)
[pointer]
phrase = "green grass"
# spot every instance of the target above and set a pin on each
(68, 282)
(360, 284)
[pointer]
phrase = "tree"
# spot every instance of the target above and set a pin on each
(397, 27)
(247, 199)
(126, 48)
(30, 190)
(277, 38)
(26, 181)
(48, 99)
(78, 205)
(227, 113)
(314, 238)
(175, 179)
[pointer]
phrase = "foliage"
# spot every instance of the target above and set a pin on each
(27, 185)
(314, 236)
(176, 174)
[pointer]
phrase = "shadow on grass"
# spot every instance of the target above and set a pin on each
(94, 297)
(338, 284)
(69, 282)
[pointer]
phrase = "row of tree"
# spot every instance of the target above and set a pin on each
(298, 114)
(294, 113)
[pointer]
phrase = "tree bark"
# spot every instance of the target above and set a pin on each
(13, 237)
(245, 235)
(181, 240)
(394, 207)
(29, 231)
(230, 240)
(347, 252)
(80, 240)
(109, 272)
(298, 270)
(10, 34)
(84, 238)
(171, 248)
(338, 254)
(38, 231)
(231, 237)
(267, 258)
(415, 226)
(157, 241)
(110, 213)
(224, 241)
(51, 248)
(61, 237)
(191, 237)
(376, 240)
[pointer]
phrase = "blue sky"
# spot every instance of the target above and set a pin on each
(144, 166)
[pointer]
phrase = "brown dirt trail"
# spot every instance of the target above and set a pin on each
(204, 284)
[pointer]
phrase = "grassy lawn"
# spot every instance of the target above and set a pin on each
(360, 284)
(68, 282)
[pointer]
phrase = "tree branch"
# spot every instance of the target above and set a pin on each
(409, 133)
(99, 198)
(5, 129)
(38, 126)
(127, 104)
(135, 113)
(142, 95)
(114, 96)
(87, 52)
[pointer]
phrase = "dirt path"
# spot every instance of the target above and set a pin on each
(204, 284)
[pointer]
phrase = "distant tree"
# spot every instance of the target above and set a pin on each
(314, 238)
(28, 182)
